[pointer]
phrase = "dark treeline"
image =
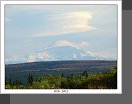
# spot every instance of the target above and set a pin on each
(85, 80)
(78, 64)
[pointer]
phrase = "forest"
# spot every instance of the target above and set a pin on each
(84, 80)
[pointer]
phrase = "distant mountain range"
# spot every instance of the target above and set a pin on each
(55, 54)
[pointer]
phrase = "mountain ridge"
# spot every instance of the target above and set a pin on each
(57, 53)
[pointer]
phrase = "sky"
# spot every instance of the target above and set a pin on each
(29, 28)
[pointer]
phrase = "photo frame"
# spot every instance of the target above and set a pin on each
(62, 91)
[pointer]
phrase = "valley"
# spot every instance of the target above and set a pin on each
(20, 71)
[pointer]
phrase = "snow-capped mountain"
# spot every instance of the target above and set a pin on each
(57, 53)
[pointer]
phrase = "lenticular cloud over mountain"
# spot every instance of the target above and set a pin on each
(71, 22)
(59, 51)
(79, 45)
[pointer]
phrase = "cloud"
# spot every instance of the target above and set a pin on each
(83, 45)
(67, 23)
(111, 53)
(80, 45)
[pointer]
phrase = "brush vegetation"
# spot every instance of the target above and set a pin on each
(85, 80)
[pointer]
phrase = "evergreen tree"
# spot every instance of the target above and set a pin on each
(30, 79)
(62, 75)
(85, 74)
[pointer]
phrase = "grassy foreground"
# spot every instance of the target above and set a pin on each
(85, 80)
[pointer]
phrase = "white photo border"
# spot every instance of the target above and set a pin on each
(64, 91)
